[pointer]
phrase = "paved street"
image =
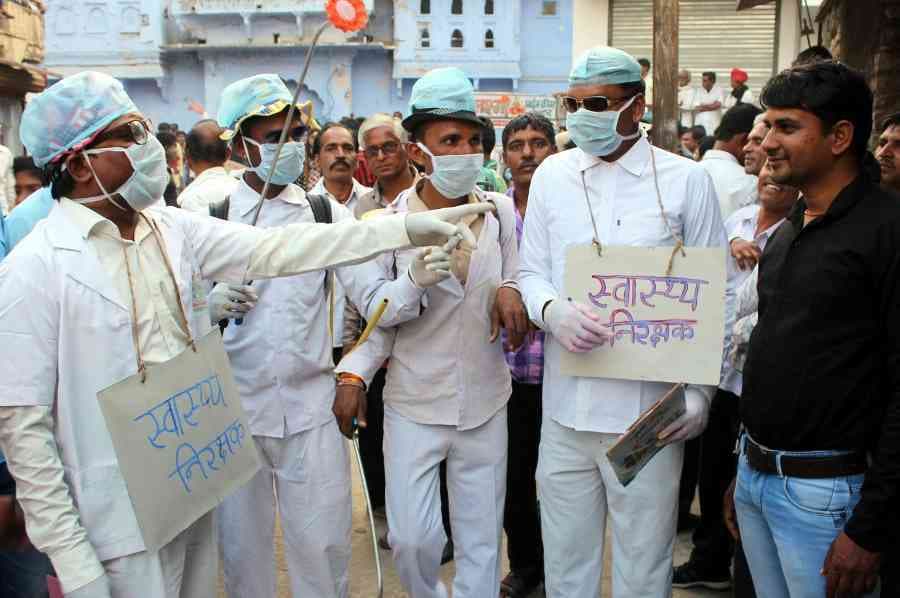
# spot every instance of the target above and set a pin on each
(363, 577)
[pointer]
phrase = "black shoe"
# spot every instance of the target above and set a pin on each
(687, 522)
(383, 542)
(692, 575)
(520, 584)
(447, 555)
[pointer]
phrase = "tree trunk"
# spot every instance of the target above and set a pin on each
(665, 74)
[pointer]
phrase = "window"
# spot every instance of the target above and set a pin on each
(456, 40)
(488, 7)
(488, 39)
(549, 8)
(424, 38)
(425, 7)
(456, 7)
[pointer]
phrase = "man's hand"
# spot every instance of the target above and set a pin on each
(435, 227)
(746, 253)
(227, 301)
(692, 422)
(349, 404)
(431, 266)
(850, 569)
(729, 512)
(509, 313)
(575, 325)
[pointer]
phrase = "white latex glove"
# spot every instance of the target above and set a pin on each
(228, 301)
(575, 326)
(435, 227)
(693, 422)
(99, 588)
(431, 266)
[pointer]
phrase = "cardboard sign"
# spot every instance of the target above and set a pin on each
(666, 328)
(181, 438)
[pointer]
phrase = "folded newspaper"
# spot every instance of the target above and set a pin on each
(640, 441)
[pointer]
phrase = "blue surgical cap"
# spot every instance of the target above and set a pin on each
(444, 92)
(259, 95)
(67, 115)
(603, 65)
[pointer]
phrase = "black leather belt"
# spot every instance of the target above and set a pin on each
(832, 466)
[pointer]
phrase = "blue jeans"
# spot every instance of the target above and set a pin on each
(788, 524)
(24, 574)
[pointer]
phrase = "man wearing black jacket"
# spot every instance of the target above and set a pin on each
(819, 467)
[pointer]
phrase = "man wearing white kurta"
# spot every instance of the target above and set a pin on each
(583, 417)
(708, 104)
(447, 389)
(206, 157)
(89, 296)
(282, 362)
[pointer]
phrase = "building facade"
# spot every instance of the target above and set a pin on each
(176, 56)
(21, 52)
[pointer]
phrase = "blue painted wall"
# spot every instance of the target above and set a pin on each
(143, 42)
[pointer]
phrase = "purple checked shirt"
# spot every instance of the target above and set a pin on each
(527, 363)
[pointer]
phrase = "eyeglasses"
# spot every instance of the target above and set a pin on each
(590, 103)
(389, 149)
(137, 131)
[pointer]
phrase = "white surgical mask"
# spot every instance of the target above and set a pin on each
(595, 132)
(290, 161)
(454, 176)
(146, 184)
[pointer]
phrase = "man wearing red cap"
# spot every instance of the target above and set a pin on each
(740, 93)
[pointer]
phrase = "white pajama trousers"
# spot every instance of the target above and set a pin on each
(307, 475)
(578, 489)
(476, 483)
(186, 567)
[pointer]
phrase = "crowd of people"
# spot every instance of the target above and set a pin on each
(467, 424)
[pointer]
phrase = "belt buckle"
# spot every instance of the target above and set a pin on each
(766, 452)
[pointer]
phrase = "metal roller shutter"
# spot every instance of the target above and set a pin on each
(713, 36)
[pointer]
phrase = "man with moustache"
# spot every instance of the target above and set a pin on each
(334, 151)
(747, 253)
(527, 140)
(888, 153)
(818, 480)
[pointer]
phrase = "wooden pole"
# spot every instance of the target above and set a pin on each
(665, 75)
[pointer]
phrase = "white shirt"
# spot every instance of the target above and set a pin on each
(443, 369)
(742, 225)
(66, 333)
(687, 99)
(710, 119)
(340, 300)
(7, 181)
(281, 352)
(730, 100)
(625, 206)
(734, 187)
(211, 185)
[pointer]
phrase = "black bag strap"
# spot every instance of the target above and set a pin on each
(321, 207)
(219, 209)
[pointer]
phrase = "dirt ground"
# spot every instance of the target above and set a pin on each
(363, 577)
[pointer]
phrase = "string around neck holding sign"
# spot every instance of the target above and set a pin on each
(679, 242)
(142, 366)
